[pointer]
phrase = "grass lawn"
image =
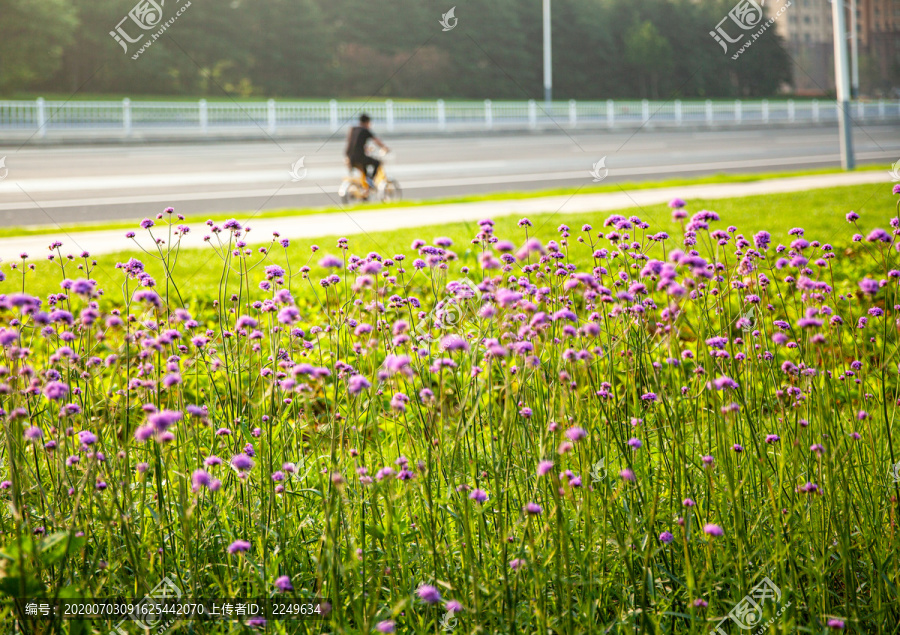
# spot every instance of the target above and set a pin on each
(608, 430)
(821, 212)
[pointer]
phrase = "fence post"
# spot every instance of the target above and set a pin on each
(532, 114)
(881, 109)
(765, 110)
(815, 110)
(441, 115)
(610, 113)
(389, 114)
(678, 117)
(488, 115)
(791, 111)
(573, 113)
(333, 115)
(270, 116)
(645, 112)
(737, 110)
(126, 116)
(861, 109)
(41, 118)
(204, 116)
(709, 112)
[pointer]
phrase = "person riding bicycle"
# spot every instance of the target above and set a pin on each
(356, 149)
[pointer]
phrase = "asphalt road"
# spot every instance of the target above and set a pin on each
(65, 184)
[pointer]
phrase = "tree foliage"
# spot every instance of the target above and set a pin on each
(351, 48)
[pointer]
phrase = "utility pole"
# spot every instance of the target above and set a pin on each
(854, 52)
(548, 55)
(842, 83)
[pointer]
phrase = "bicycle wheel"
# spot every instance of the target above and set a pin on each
(350, 192)
(392, 192)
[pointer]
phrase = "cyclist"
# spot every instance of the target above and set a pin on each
(356, 149)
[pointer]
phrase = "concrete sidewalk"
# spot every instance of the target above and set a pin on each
(376, 218)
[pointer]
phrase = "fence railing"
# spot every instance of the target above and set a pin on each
(128, 117)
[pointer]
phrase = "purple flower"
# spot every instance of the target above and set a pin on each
(634, 443)
(387, 626)
(238, 545)
(712, 530)
(164, 419)
(331, 262)
(453, 606)
(532, 509)
(283, 584)
(241, 462)
(627, 475)
(666, 537)
(56, 390)
(33, 433)
(544, 467)
(200, 478)
(454, 343)
(144, 432)
(725, 382)
(835, 623)
(688, 502)
(429, 594)
(576, 434)
(772, 438)
(868, 286)
(478, 495)
(677, 203)
(357, 384)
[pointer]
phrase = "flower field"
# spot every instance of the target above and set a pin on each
(620, 428)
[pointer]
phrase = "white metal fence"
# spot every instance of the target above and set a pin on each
(125, 118)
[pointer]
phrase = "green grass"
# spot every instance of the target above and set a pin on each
(7, 232)
(777, 213)
(598, 448)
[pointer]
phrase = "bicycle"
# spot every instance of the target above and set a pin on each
(356, 188)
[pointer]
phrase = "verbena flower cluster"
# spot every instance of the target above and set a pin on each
(606, 425)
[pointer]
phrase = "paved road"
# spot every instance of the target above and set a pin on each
(64, 184)
(377, 218)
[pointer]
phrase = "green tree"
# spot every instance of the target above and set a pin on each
(648, 54)
(32, 37)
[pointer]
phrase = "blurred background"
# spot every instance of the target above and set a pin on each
(116, 109)
(602, 49)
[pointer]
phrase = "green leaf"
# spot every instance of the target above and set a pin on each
(57, 546)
